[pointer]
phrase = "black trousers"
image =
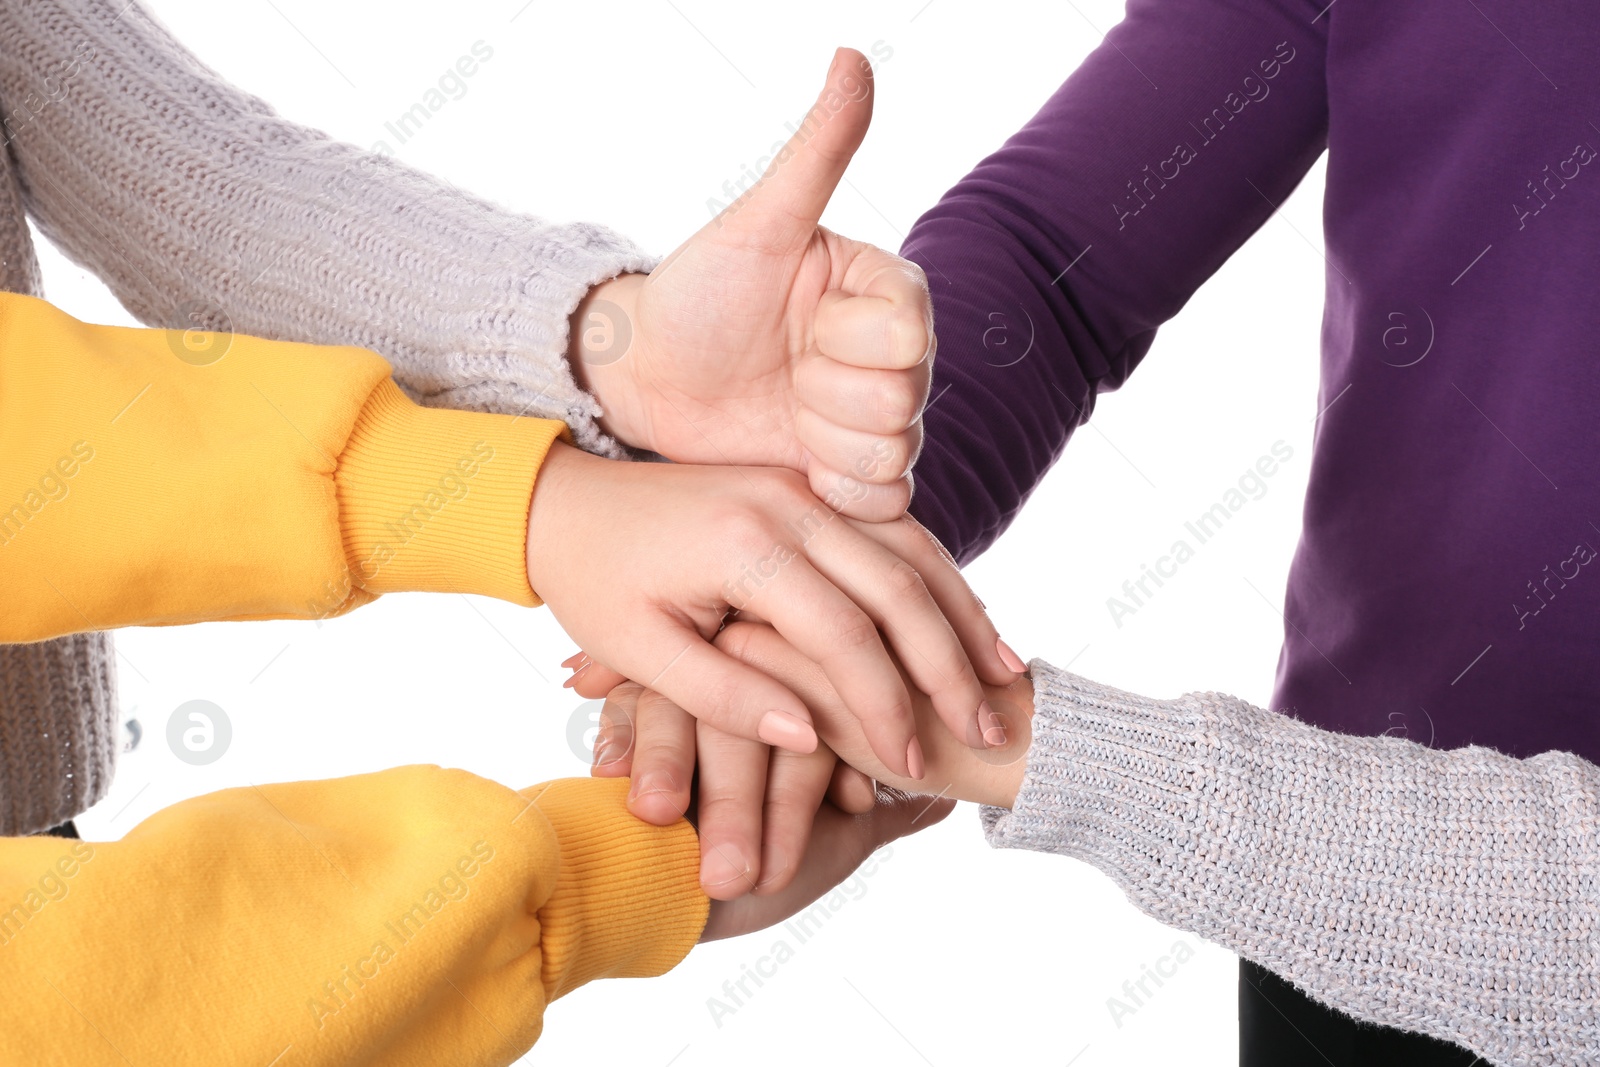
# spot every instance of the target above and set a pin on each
(1281, 1027)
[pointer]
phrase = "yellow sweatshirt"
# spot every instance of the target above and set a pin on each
(414, 916)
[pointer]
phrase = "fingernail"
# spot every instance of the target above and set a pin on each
(772, 866)
(838, 57)
(654, 782)
(721, 865)
(574, 659)
(914, 759)
(994, 727)
(572, 681)
(782, 730)
(1012, 661)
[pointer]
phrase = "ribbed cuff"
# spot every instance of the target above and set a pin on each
(433, 500)
(628, 902)
(522, 368)
(1113, 778)
(59, 730)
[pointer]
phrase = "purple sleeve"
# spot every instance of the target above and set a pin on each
(1054, 261)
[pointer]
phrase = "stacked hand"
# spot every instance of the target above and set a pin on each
(756, 807)
(785, 369)
(641, 563)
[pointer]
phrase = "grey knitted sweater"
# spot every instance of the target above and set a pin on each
(1455, 893)
(200, 208)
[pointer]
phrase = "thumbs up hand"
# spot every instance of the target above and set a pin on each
(768, 340)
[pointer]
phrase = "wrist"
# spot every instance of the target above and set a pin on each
(602, 345)
(998, 772)
(551, 510)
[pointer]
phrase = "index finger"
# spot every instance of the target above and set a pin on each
(881, 316)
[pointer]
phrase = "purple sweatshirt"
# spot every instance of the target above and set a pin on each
(1446, 572)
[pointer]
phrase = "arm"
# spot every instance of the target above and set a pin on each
(416, 915)
(413, 916)
(767, 340)
(1451, 893)
(1143, 190)
(201, 208)
(279, 480)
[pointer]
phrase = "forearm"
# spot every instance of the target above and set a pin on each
(1446, 892)
(416, 915)
(279, 480)
(202, 208)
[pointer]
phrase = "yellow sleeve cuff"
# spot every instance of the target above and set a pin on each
(432, 500)
(628, 902)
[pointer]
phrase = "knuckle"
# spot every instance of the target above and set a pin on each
(918, 276)
(894, 458)
(778, 491)
(904, 582)
(853, 630)
(615, 714)
(900, 714)
(908, 337)
(736, 640)
(648, 702)
(789, 813)
(746, 527)
(898, 401)
(718, 804)
(955, 668)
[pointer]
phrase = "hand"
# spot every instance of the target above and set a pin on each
(641, 562)
(755, 817)
(839, 844)
(754, 807)
(992, 776)
(770, 341)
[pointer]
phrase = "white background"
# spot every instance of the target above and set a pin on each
(634, 114)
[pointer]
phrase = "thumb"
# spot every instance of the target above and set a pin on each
(785, 204)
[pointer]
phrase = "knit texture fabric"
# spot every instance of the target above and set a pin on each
(1455, 893)
(202, 209)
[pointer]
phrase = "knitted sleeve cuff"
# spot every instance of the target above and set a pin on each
(628, 902)
(436, 500)
(1113, 778)
(514, 361)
